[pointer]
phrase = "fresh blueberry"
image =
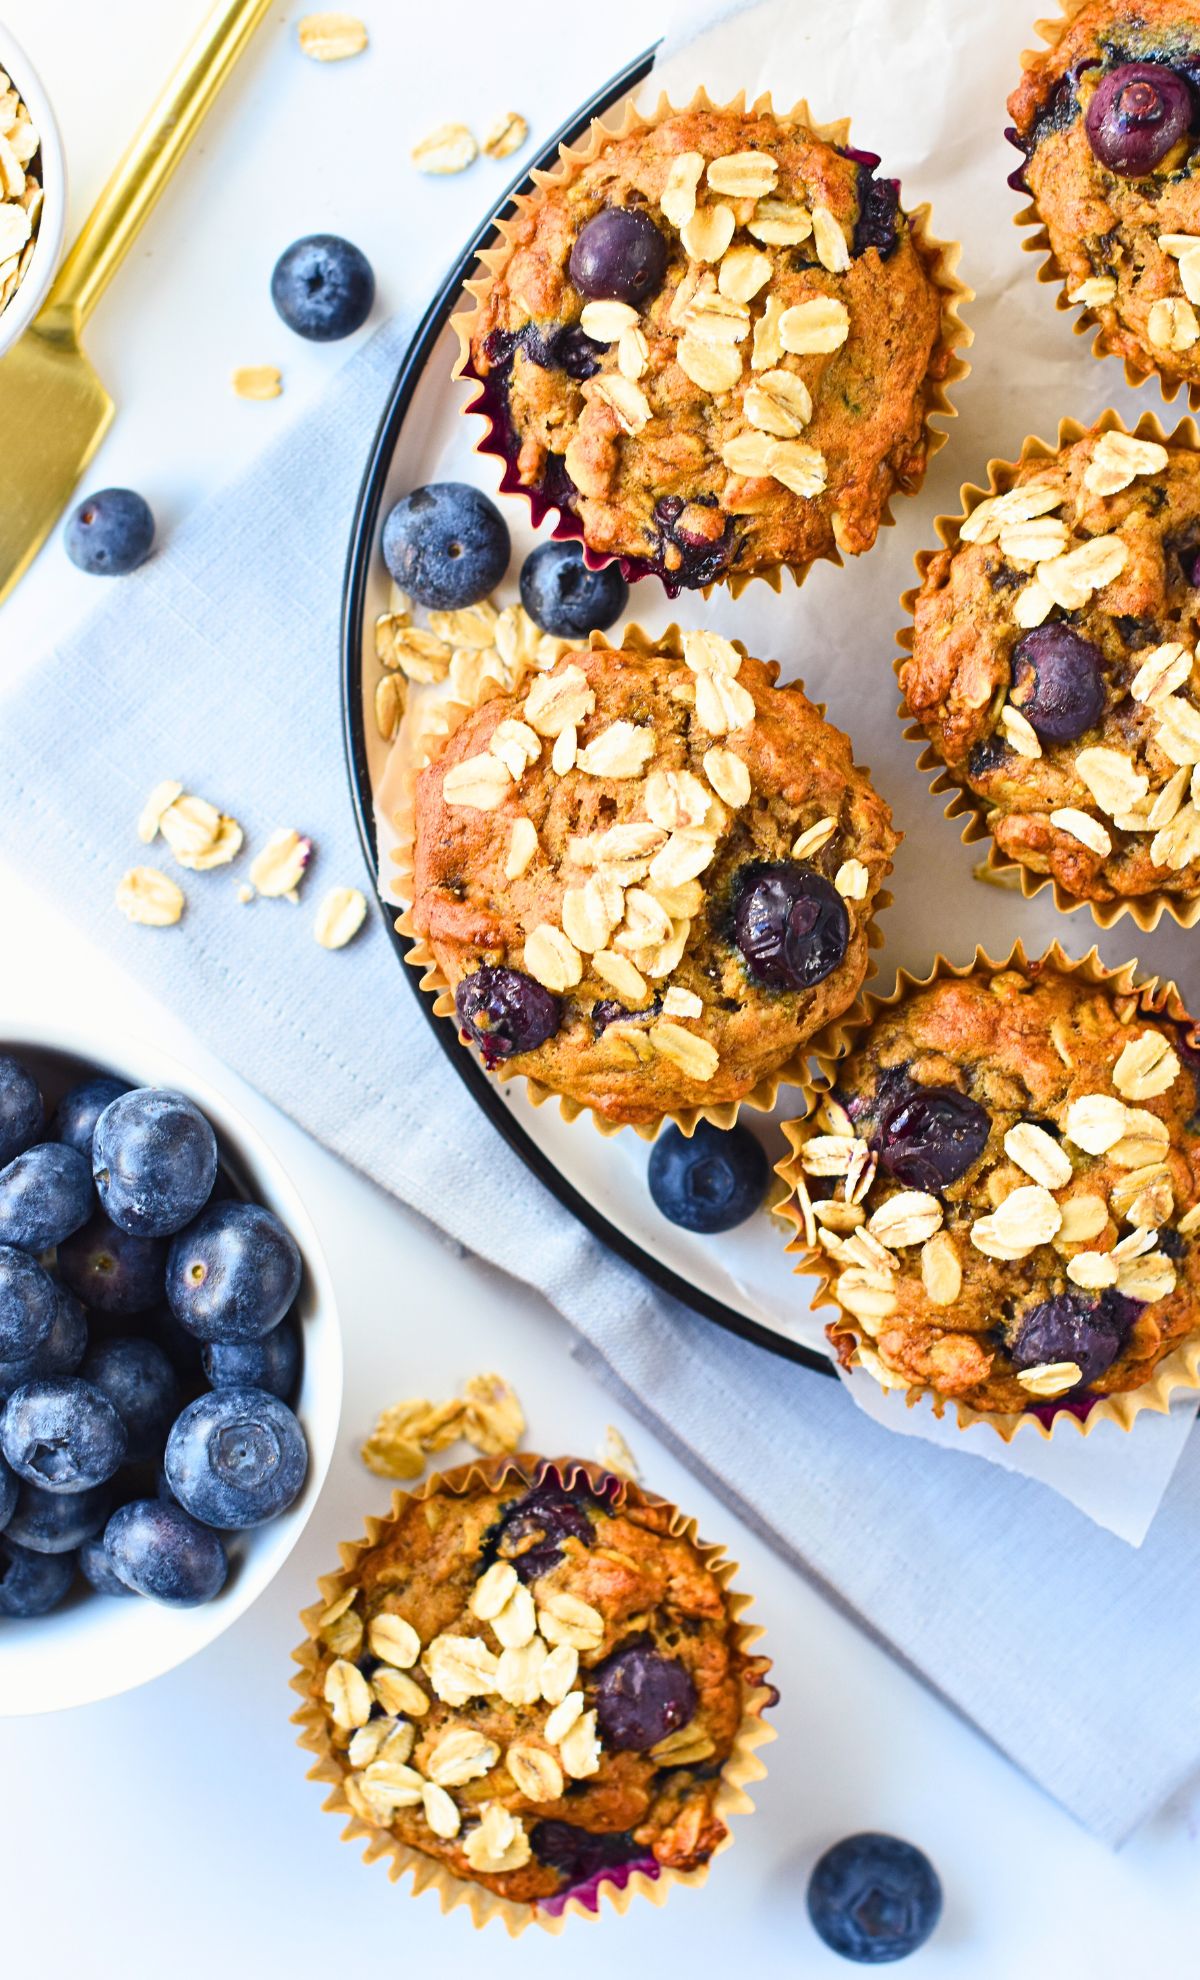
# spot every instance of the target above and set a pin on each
(1069, 1328)
(578, 1854)
(141, 1384)
(181, 1348)
(154, 1158)
(156, 1550)
(58, 1522)
(112, 1271)
(873, 1898)
(9, 1487)
(28, 1304)
(1058, 682)
(564, 597)
(78, 1111)
(59, 1354)
(447, 544)
(64, 1435)
(790, 924)
(503, 1011)
(236, 1457)
(531, 1529)
(710, 1181)
(45, 1195)
(1139, 113)
(930, 1135)
(32, 1584)
(641, 1697)
(233, 1274)
(271, 1363)
(98, 1570)
(323, 287)
(619, 256)
(110, 533)
(21, 1112)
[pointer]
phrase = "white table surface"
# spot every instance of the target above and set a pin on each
(173, 1832)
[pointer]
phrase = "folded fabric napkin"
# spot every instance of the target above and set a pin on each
(217, 664)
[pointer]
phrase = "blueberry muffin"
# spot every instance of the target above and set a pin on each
(647, 877)
(533, 1674)
(1109, 122)
(1005, 1184)
(1054, 668)
(713, 346)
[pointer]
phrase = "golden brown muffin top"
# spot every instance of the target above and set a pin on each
(1126, 239)
(765, 390)
(601, 831)
(1054, 665)
(1006, 1179)
(535, 1682)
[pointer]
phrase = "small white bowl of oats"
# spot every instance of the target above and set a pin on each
(33, 191)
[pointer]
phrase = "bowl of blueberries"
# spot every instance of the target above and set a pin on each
(170, 1369)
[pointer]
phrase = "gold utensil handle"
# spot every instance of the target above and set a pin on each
(152, 156)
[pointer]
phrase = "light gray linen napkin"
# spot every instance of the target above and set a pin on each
(217, 663)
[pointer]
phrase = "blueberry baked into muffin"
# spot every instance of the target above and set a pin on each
(1004, 1187)
(647, 877)
(713, 346)
(536, 1677)
(1109, 121)
(1054, 666)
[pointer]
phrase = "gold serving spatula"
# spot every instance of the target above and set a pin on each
(54, 409)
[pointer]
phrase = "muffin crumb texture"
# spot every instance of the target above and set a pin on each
(1054, 666)
(648, 877)
(713, 348)
(537, 1683)
(1109, 122)
(1004, 1186)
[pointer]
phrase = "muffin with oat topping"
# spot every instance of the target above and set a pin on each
(1054, 666)
(534, 1676)
(1108, 118)
(648, 877)
(713, 345)
(1003, 1185)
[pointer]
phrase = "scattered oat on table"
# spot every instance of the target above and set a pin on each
(258, 381)
(507, 135)
(451, 148)
(149, 897)
(339, 917)
(331, 37)
(616, 1454)
(486, 1415)
(199, 835)
(20, 191)
(280, 867)
(245, 894)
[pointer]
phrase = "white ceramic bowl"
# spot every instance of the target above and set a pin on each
(98, 1645)
(30, 296)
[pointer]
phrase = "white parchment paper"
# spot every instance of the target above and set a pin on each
(925, 82)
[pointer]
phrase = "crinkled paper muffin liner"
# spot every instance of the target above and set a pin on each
(1050, 271)
(940, 258)
(623, 1884)
(761, 1097)
(1178, 1370)
(1144, 910)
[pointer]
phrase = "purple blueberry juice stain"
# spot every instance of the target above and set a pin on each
(587, 1891)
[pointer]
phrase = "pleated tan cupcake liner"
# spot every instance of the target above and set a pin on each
(429, 1873)
(940, 259)
(761, 1098)
(1051, 273)
(1144, 910)
(1178, 1370)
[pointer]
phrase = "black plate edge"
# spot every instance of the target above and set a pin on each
(483, 1089)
